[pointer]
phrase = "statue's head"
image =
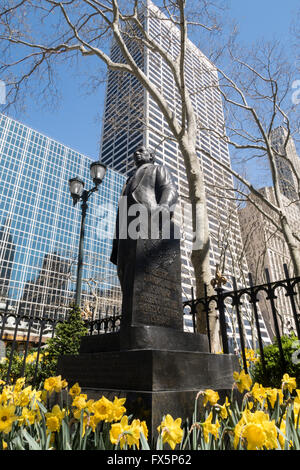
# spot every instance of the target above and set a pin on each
(143, 155)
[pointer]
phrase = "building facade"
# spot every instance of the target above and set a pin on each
(39, 226)
(7, 254)
(287, 163)
(132, 118)
(265, 247)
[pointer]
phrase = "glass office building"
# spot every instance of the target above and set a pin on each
(39, 226)
(132, 118)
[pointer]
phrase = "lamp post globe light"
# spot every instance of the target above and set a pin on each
(78, 193)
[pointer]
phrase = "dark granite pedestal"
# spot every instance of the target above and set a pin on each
(152, 361)
(154, 380)
(144, 337)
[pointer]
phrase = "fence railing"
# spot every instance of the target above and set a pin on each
(23, 332)
(250, 298)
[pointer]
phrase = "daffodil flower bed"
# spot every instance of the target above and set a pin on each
(261, 419)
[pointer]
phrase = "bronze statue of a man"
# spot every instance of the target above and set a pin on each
(149, 188)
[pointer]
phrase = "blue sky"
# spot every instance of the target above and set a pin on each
(264, 18)
(74, 122)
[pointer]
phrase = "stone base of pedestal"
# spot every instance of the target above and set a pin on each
(155, 382)
(145, 337)
(152, 406)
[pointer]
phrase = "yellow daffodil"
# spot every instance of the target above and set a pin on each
(117, 410)
(35, 399)
(52, 423)
(251, 357)
(75, 390)
(288, 382)
(7, 418)
(23, 397)
(271, 434)
(87, 421)
(54, 418)
(255, 436)
(257, 429)
(210, 396)
(19, 384)
(92, 422)
(296, 410)
(103, 409)
(80, 402)
(28, 417)
(55, 384)
(124, 433)
(119, 432)
(258, 393)
(282, 435)
(44, 396)
(142, 427)
(222, 409)
(50, 384)
(84, 412)
(134, 432)
(6, 396)
(32, 357)
(272, 394)
(58, 412)
(171, 431)
(210, 428)
(243, 381)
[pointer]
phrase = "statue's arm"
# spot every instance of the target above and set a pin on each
(167, 191)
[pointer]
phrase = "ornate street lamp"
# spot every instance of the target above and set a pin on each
(78, 193)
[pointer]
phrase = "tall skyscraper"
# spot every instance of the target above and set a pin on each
(39, 237)
(7, 254)
(287, 164)
(132, 117)
(49, 288)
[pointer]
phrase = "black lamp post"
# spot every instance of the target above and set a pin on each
(78, 193)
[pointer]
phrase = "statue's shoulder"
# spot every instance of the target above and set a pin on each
(160, 167)
(151, 167)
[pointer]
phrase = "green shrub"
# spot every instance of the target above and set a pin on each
(66, 341)
(274, 370)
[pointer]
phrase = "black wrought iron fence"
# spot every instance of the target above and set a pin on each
(107, 322)
(23, 332)
(237, 300)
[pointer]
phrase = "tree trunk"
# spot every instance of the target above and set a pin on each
(293, 245)
(201, 242)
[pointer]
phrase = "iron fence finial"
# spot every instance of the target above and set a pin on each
(219, 279)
